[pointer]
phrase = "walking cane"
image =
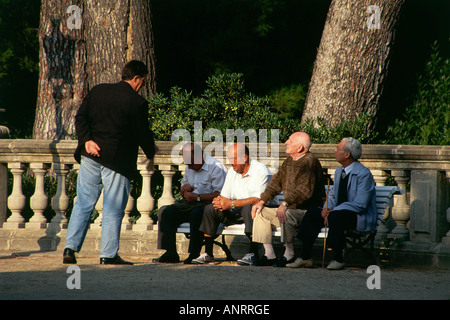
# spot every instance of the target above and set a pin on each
(325, 238)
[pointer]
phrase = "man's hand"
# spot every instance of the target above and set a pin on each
(257, 208)
(221, 203)
(190, 196)
(92, 148)
(325, 214)
(281, 213)
(186, 188)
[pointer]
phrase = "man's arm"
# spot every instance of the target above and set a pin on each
(222, 203)
(143, 133)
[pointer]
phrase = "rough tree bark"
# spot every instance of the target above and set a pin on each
(352, 59)
(116, 32)
(62, 75)
(72, 60)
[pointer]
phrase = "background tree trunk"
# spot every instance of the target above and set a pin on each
(72, 61)
(352, 59)
(117, 32)
(62, 76)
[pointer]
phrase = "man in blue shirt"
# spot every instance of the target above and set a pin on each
(351, 205)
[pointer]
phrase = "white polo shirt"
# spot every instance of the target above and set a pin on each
(210, 178)
(252, 184)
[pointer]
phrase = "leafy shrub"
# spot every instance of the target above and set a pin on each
(425, 122)
(224, 104)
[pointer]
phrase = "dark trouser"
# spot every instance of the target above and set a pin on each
(338, 222)
(212, 218)
(170, 217)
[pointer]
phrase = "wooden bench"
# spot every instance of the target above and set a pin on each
(356, 239)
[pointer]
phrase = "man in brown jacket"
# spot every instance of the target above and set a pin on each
(300, 180)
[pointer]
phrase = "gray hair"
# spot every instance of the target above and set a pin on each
(353, 146)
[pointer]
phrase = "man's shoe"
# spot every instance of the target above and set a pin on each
(300, 263)
(189, 259)
(283, 262)
(204, 259)
(168, 258)
(115, 260)
(69, 256)
(335, 265)
(264, 262)
(248, 260)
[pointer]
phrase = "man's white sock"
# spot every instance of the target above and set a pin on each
(289, 251)
(269, 253)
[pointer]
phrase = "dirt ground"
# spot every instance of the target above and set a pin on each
(43, 276)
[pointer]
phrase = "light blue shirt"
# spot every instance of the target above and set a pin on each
(361, 195)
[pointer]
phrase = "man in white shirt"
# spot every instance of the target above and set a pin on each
(202, 182)
(245, 182)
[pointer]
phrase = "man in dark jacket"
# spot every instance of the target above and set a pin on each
(111, 124)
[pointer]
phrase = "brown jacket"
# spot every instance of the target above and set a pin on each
(300, 181)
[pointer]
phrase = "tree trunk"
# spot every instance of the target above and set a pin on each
(352, 59)
(117, 32)
(74, 60)
(62, 76)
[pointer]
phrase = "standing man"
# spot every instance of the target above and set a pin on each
(351, 205)
(300, 180)
(245, 182)
(111, 124)
(202, 182)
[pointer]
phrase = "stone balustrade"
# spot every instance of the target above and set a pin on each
(421, 214)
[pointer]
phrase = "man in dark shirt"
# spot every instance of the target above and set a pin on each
(111, 124)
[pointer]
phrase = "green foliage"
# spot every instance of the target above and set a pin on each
(425, 122)
(224, 104)
(289, 101)
(358, 128)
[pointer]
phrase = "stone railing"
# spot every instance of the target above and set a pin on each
(421, 214)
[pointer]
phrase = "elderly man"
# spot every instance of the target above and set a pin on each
(300, 180)
(202, 182)
(245, 182)
(351, 205)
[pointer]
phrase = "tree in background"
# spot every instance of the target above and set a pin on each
(352, 60)
(82, 44)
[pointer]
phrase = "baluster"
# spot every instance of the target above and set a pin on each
(167, 198)
(16, 201)
(145, 203)
(126, 224)
(401, 209)
(60, 202)
(97, 225)
(380, 177)
(39, 201)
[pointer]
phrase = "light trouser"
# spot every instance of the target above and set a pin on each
(266, 221)
(92, 178)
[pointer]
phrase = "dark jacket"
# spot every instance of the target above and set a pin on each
(116, 118)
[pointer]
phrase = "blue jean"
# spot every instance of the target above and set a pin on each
(92, 178)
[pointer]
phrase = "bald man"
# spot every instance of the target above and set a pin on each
(300, 180)
(245, 181)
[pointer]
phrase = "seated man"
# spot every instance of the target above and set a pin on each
(300, 180)
(351, 205)
(245, 182)
(203, 180)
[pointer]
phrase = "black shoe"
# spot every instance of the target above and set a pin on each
(264, 262)
(168, 258)
(189, 259)
(69, 256)
(283, 262)
(115, 260)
